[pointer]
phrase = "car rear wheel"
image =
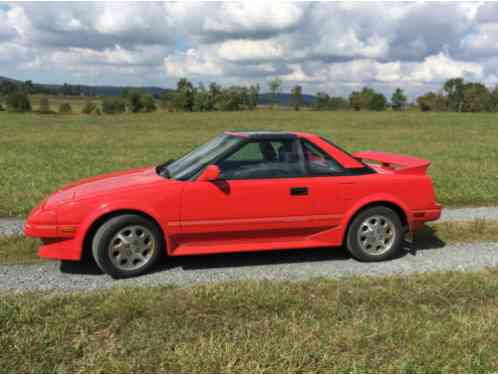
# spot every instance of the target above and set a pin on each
(375, 234)
(127, 245)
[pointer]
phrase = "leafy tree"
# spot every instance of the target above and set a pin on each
(135, 102)
(367, 98)
(494, 99)
(184, 98)
(432, 102)
(230, 99)
(322, 101)
(398, 100)
(202, 100)
(44, 107)
(253, 96)
(477, 98)
(297, 97)
(274, 86)
(7, 87)
(29, 87)
(18, 102)
(356, 101)
(214, 94)
(148, 103)
(377, 102)
(65, 108)
(113, 105)
(88, 108)
(454, 91)
(125, 92)
(338, 103)
(166, 99)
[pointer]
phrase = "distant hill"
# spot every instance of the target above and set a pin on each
(95, 90)
(284, 99)
(264, 98)
(110, 90)
(2, 79)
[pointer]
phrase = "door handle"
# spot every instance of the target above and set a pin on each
(299, 191)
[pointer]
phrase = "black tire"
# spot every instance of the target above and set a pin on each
(357, 242)
(116, 226)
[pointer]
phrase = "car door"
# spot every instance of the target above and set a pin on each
(263, 194)
(328, 183)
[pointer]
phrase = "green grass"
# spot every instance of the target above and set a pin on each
(22, 250)
(430, 323)
(19, 250)
(38, 154)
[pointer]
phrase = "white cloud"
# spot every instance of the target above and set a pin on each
(191, 63)
(441, 67)
(254, 17)
(323, 46)
(250, 50)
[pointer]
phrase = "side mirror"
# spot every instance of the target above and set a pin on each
(211, 173)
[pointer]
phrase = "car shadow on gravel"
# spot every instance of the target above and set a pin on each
(425, 240)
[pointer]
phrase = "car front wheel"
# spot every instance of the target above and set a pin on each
(127, 245)
(375, 234)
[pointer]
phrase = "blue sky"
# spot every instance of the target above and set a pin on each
(330, 47)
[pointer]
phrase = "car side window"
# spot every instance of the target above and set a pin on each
(261, 159)
(318, 162)
(251, 152)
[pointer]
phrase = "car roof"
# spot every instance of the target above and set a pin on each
(266, 134)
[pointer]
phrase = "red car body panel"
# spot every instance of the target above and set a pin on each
(200, 217)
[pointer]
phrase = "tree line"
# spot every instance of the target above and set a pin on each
(455, 95)
(8, 87)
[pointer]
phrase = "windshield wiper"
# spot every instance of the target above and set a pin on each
(162, 170)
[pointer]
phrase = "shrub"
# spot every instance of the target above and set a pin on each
(18, 102)
(65, 108)
(1, 107)
(98, 112)
(44, 107)
(113, 105)
(88, 108)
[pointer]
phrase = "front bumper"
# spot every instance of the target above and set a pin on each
(58, 240)
(59, 249)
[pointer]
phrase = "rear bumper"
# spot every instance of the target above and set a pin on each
(419, 217)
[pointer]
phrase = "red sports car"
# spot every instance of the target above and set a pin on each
(241, 191)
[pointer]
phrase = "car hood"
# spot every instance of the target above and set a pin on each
(106, 183)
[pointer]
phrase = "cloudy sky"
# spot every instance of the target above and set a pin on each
(331, 47)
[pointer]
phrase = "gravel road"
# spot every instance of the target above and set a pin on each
(285, 265)
(431, 255)
(10, 226)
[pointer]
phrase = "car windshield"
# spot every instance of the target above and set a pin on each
(200, 157)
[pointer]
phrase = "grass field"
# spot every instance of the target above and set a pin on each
(429, 323)
(38, 154)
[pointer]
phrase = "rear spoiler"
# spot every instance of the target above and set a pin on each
(400, 164)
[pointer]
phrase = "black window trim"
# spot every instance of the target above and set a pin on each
(282, 138)
(285, 137)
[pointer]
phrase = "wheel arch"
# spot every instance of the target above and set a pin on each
(395, 206)
(89, 233)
